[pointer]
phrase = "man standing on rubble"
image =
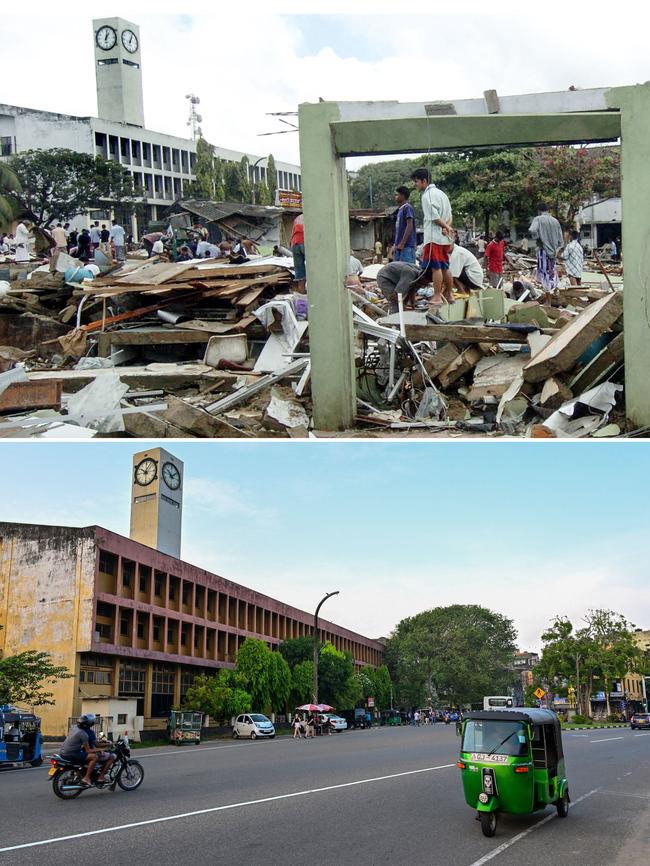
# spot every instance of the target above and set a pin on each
(573, 256)
(547, 231)
(494, 255)
(405, 238)
(118, 236)
(298, 250)
(438, 233)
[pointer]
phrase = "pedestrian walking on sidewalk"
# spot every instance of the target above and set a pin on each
(297, 727)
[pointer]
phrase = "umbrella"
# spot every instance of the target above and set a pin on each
(325, 708)
(310, 708)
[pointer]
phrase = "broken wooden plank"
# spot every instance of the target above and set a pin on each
(465, 362)
(554, 394)
(435, 364)
(494, 374)
(148, 337)
(575, 338)
(197, 421)
(156, 274)
(264, 382)
(25, 396)
(601, 367)
(465, 334)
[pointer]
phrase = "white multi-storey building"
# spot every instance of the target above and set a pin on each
(161, 164)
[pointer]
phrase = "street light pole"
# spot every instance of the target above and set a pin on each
(253, 166)
(317, 641)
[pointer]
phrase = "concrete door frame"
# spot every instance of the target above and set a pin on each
(331, 131)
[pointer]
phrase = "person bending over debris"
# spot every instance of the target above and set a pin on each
(465, 270)
(574, 257)
(401, 278)
(438, 235)
(547, 231)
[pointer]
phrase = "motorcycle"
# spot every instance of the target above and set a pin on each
(66, 775)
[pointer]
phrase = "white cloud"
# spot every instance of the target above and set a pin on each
(224, 499)
(240, 80)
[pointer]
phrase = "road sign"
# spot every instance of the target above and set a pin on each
(371, 702)
(539, 693)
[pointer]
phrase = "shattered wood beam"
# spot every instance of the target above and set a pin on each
(465, 334)
(430, 134)
(249, 391)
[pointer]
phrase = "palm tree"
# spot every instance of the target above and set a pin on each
(8, 183)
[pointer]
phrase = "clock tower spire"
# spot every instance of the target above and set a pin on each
(118, 71)
(157, 500)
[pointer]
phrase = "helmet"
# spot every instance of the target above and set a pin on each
(87, 720)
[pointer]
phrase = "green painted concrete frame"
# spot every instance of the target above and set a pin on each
(325, 140)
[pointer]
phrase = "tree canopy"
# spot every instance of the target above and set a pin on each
(57, 184)
(489, 183)
(24, 678)
(9, 189)
(219, 696)
(451, 655)
(589, 657)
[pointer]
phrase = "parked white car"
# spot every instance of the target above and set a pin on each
(338, 724)
(253, 725)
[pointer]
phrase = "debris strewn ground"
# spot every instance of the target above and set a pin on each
(211, 349)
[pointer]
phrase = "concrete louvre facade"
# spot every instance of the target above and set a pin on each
(129, 621)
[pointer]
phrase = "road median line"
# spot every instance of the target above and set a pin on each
(224, 808)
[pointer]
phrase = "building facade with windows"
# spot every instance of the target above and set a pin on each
(161, 165)
(130, 621)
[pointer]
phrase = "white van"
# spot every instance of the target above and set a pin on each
(253, 725)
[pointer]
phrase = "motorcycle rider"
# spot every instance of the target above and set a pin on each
(81, 745)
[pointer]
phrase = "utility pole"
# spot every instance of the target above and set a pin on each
(317, 641)
(252, 177)
(578, 682)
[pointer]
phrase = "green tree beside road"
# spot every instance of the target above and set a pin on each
(451, 655)
(24, 678)
(586, 658)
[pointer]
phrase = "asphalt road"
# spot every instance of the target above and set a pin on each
(386, 796)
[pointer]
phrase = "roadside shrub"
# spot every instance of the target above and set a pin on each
(582, 720)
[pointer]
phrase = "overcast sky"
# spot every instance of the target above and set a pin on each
(244, 62)
(527, 529)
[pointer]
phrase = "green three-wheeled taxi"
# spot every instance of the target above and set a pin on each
(512, 761)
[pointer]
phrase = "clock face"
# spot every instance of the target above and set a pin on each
(146, 471)
(171, 476)
(130, 41)
(106, 38)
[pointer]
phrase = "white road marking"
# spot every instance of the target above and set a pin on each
(222, 808)
(625, 794)
(607, 740)
(641, 735)
(525, 833)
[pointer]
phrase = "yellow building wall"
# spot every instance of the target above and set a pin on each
(46, 604)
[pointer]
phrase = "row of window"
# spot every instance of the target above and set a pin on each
(99, 678)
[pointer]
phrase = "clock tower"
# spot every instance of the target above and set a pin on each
(157, 500)
(118, 71)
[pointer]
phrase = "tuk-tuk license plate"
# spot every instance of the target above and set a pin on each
(52, 771)
(493, 759)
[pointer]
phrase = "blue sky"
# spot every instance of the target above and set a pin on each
(530, 530)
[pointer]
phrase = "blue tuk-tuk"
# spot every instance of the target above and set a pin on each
(20, 738)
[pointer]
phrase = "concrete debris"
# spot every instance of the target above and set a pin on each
(210, 348)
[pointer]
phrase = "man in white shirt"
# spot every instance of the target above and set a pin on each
(438, 235)
(95, 235)
(465, 269)
(118, 236)
(573, 256)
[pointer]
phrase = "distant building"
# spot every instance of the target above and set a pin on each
(161, 165)
(127, 616)
(523, 664)
(600, 222)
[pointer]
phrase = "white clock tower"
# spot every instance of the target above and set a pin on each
(118, 71)
(157, 500)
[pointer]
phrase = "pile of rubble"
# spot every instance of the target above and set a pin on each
(208, 349)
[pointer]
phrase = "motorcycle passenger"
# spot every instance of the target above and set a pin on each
(80, 746)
